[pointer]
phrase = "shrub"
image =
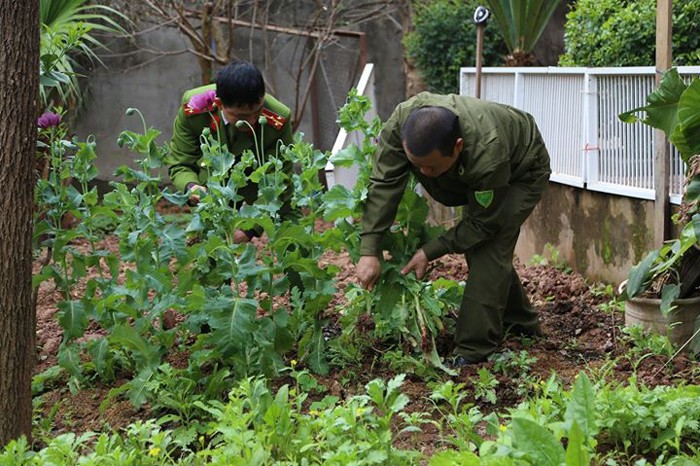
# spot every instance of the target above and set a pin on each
(622, 33)
(444, 39)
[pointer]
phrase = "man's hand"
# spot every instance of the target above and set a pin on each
(418, 263)
(368, 270)
(196, 191)
(239, 237)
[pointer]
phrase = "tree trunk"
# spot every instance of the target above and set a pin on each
(19, 92)
(414, 82)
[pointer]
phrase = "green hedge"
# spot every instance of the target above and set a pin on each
(623, 33)
(444, 39)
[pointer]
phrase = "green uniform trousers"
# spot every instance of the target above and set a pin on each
(494, 299)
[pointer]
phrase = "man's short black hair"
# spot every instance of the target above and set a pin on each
(429, 128)
(240, 84)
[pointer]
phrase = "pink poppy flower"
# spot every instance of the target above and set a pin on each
(201, 102)
(48, 120)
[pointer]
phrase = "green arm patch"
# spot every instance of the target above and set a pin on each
(484, 198)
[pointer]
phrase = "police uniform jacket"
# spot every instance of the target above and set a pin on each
(502, 147)
(186, 155)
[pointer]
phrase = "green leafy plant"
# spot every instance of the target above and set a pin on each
(645, 343)
(485, 386)
(552, 258)
(68, 30)
(462, 417)
(521, 23)
(516, 365)
(613, 33)
(443, 40)
(673, 108)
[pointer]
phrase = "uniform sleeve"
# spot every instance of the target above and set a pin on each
(388, 181)
(184, 153)
(482, 218)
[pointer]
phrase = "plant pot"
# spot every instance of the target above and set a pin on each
(679, 325)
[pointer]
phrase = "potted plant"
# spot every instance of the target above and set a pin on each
(663, 289)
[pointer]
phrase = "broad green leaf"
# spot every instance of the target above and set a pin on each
(639, 274)
(347, 157)
(101, 356)
(69, 359)
(375, 391)
(692, 191)
(72, 319)
(454, 458)
(233, 320)
(177, 198)
(538, 444)
(317, 352)
(695, 222)
(576, 452)
(138, 387)
(145, 354)
(338, 203)
(669, 293)
(662, 104)
(689, 118)
(580, 409)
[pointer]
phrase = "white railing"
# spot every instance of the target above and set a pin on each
(577, 112)
(348, 176)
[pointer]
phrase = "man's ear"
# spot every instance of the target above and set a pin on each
(459, 145)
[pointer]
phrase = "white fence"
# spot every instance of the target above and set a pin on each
(577, 112)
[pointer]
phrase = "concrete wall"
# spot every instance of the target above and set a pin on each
(154, 88)
(599, 235)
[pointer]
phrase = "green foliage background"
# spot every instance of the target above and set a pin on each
(622, 33)
(444, 39)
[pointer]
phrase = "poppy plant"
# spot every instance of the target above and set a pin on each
(49, 120)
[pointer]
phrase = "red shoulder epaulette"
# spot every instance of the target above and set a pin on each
(189, 111)
(273, 119)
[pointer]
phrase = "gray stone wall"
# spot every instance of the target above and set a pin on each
(599, 235)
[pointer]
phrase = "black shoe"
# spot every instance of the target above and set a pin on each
(522, 331)
(464, 361)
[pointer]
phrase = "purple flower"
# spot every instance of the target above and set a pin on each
(48, 120)
(202, 101)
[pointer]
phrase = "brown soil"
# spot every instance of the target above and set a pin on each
(578, 336)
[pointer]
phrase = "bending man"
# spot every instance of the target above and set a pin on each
(486, 157)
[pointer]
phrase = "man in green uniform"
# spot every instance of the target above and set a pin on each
(488, 158)
(233, 107)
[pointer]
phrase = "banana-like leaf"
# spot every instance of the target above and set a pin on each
(689, 119)
(662, 104)
(639, 274)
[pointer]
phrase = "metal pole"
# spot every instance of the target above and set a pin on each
(479, 50)
(481, 15)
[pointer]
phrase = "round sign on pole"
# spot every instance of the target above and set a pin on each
(481, 15)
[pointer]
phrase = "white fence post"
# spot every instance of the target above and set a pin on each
(348, 176)
(518, 90)
(590, 141)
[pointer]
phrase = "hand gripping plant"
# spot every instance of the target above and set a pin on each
(407, 313)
